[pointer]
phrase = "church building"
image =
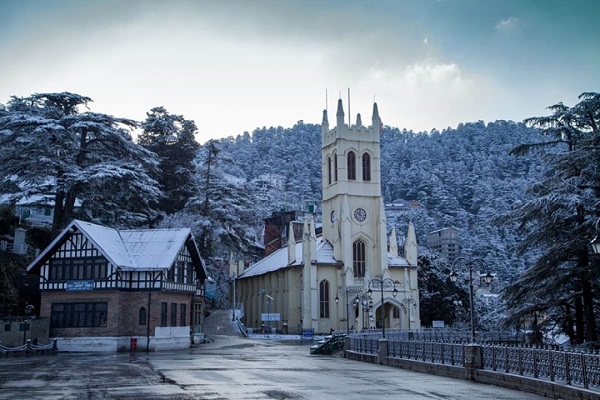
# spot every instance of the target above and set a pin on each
(347, 278)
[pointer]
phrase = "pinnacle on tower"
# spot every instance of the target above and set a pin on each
(325, 120)
(375, 113)
(340, 113)
(358, 120)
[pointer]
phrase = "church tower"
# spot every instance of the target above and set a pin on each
(353, 214)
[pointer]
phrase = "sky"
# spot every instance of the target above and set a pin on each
(234, 66)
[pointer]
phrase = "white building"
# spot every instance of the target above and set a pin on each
(296, 286)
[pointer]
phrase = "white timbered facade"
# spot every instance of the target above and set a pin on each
(98, 282)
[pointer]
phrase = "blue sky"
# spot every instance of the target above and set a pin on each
(232, 66)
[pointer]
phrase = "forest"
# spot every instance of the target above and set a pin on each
(524, 195)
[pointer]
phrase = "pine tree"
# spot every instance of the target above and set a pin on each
(49, 148)
(560, 219)
(172, 138)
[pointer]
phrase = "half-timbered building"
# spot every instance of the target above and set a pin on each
(108, 289)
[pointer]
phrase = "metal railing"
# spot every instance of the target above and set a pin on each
(570, 368)
(549, 364)
(447, 335)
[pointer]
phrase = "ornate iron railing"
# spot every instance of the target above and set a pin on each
(550, 364)
(365, 344)
(433, 352)
(452, 336)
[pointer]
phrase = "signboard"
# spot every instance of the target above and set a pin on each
(78, 286)
(269, 317)
(308, 333)
(437, 324)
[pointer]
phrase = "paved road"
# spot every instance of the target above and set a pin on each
(229, 367)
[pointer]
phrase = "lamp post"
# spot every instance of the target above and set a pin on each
(363, 300)
(347, 290)
(153, 280)
(383, 282)
(337, 300)
(233, 278)
(470, 263)
(408, 302)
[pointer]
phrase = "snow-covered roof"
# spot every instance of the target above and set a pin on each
(397, 261)
(142, 249)
(279, 259)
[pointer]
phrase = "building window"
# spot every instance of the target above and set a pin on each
(180, 272)
(72, 269)
(171, 274)
(351, 166)
(190, 272)
(78, 315)
(142, 316)
(358, 258)
(396, 312)
(324, 299)
(182, 314)
(7, 327)
(173, 314)
(197, 313)
(329, 170)
(163, 314)
(335, 168)
(366, 167)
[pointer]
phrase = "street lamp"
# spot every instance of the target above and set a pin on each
(406, 308)
(337, 300)
(383, 282)
(470, 263)
(364, 300)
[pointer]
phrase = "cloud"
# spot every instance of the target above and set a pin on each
(507, 23)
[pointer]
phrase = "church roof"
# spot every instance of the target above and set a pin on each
(278, 260)
(141, 249)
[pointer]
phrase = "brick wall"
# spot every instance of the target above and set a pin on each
(123, 311)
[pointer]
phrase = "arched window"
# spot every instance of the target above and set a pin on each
(142, 316)
(329, 170)
(324, 299)
(351, 166)
(366, 167)
(335, 168)
(358, 258)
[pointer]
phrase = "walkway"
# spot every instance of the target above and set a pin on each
(229, 367)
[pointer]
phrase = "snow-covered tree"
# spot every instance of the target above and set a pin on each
(560, 221)
(439, 298)
(171, 137)
(225, 213)
(50, 148)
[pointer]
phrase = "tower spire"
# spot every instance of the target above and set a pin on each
(340, 113)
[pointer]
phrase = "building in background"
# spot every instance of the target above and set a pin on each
(445, 242)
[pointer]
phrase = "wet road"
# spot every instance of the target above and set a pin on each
(230, 367)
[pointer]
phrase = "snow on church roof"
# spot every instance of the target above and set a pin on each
(279, 259)
(143, 249)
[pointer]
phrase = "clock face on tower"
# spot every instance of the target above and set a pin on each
(360, 214)
(332, 215)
